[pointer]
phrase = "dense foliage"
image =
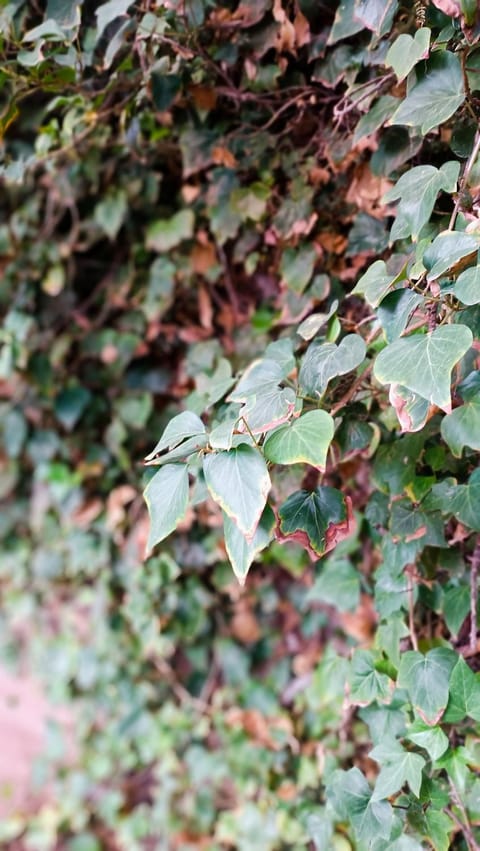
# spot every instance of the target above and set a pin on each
(241, 240)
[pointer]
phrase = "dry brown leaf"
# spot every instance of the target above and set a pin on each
(204, 97)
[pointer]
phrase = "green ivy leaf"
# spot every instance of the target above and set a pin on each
(375, 117)
(395, 311)
(314, 518)
(166, 496)
(464, 693)
(338, 584)
(268, 409)
(437, 94)
(462, 427)
(460, 500)
(296, 267)
(238, 481)
(375, 283)
(431, 739)
(110, 213)
(368, 684)
(406, 51)
(446, 250)
(350, 795)
(306, 440)
(423, 362)
(181, 427)
(242, 552)
(426, 680)
(324, 361)
(467, 286)
(456, 606)
(411, 409)
(165, 234)
(376, 15)
(398, 767)
(417, 191)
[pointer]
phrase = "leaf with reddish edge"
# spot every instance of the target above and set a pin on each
(318, 520)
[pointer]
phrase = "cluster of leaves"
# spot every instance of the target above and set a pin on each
(264, 213)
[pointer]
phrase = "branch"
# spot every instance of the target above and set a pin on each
(463, 182)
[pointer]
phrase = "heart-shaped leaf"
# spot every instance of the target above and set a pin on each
(447, 251)
(166, 496)
(423, 362)
(243, 552)
(426, 680)
(406, 51)
(238, 481)
(437, 94)
(324, 361)
(467, 286)
(316, 519)
(181, 427)
(462, 427)
(306, 440)
(417, 191)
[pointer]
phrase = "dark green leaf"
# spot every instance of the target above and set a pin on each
(314, 518)
(426, 679)
(436, 95)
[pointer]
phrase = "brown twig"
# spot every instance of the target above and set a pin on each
(475, 564)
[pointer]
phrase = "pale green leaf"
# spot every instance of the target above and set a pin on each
(426, 680)
(184, 425)
(395, 311)
(416, 191)
(432, 739)
(238, 481)
(375, 283)
(462, 427)
(406, 51)
(446, 250)
(337, 584)
(375, 117)
(267, 409)
(306, 440)
(411, 409)
(296, 267)
(464, 693)
(368, 684)
(350, 795)
(423, 362)
(107, 12)
(166, 496)
(110, 212)
(437, 94)
(243, 552)
(467, 286)
(164, 234)
(376, 15)
(398, 767)
(324, 361)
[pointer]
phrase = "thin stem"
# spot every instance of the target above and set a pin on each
(411, 606)
(474, 594)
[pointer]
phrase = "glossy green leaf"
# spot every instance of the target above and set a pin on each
(436, 95)
(267, 409)
(461, 501)
(375, 283)
(398, 767)
(350, 795)
(312, 517)
(375, 117)
(376, 15)
(416, 192)
(423, 362)
(305, 440)
(166, 496)
(431, 739)
(368, 684)
(181, 427)
(406, 51)
(243, 552)
(238, 481)
(426, 679)
(395, 311)
(462, 427)
(464, 693)
(467, 286)
(446, 250)
(324, 361)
